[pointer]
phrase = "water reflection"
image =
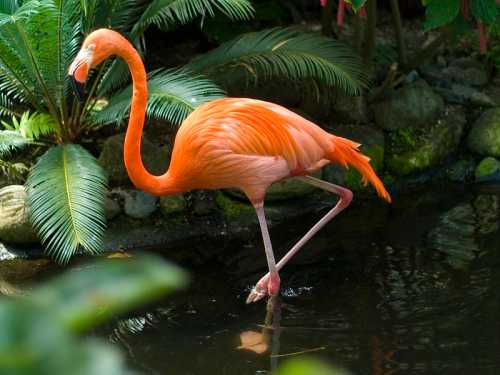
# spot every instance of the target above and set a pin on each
(411, 290)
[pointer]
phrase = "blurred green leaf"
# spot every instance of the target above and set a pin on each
(484, 10)
(440, 12)
(36, 335)
(356, 4)
(308, 366)
(83, 298)
(33, 342)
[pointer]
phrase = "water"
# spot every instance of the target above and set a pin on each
(409, 289)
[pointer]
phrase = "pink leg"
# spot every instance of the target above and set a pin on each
(272, 285)
(345, 197)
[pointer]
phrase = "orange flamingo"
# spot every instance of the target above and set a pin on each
(230, 143)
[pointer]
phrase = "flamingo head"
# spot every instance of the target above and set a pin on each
(97, 46)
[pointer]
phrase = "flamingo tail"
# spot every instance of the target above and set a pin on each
(346, 152)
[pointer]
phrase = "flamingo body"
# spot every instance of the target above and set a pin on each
(231, 143)
(246, 144)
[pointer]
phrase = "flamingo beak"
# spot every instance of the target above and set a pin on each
(79, 71)
(78, 88)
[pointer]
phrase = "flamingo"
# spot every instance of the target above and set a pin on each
(230, 143)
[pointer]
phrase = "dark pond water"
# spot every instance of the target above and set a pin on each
(410, 289)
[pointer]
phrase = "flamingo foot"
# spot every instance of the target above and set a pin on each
(267, 286)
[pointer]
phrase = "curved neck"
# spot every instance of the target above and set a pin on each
(141, 178)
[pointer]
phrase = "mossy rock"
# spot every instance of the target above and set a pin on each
(416, 151)
(372, 145)
(172, 204)
(232, 208)
(488, 170)
(415, 105)
(484, 137)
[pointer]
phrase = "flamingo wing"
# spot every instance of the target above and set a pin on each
(246, 143)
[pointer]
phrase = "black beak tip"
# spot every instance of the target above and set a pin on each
(78, 88)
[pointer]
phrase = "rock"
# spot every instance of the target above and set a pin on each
(372, 144)
(172, 204)
(488, 169)
(155, 159)
(350, 109)
(434, 75)
(410, 151)
(484, 137)
(138, 204)
(111, 208)
(415, 105)
(461, 94)
(202, 202)
(15, 226)
(466, 63)
(461, 171)
(469, 76)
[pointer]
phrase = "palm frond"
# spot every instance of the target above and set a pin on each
(173, 95)
(8, 6)
(12, 140)
(33, 125)
(285, 53)
(118, 15)
(6, 106)
(168, 13)
(66, 192)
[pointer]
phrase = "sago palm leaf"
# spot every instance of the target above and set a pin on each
(37, 43)
(8, 6)
(32, 125)
(167, 13)
(285, 53)
(10, 141)
(66, 192)
(118, 15)
(173, 95)
(6, 106)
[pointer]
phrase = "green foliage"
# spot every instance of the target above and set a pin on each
(173, 94)
(445, 12)
(285, 53)
(356, 4)
(484, 10)
(81, 300)
(169, 13)
(32, 125)
(308, 366)
(38, 332)
(441, 12)
(66, 189)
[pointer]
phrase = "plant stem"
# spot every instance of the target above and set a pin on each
(358, 32)
(371, 24)
(398, 30)
(327, 18)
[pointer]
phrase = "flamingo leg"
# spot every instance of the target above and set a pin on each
(272, 284)
(345, 197)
